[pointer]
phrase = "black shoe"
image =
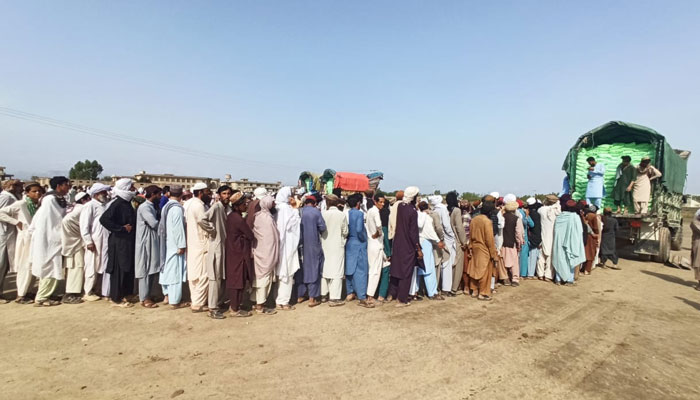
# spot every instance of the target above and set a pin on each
(515, 284)
(216, 314)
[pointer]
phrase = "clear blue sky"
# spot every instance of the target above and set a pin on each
(444, 95)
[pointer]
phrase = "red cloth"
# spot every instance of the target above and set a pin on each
(351, 182)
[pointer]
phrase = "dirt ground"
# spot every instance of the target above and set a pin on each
(630, 334)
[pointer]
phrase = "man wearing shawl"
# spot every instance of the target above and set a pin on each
(45, 250)
(460, 237)
(73, 251)
(385, 214)
(548, 215)
(20, 215)
(450, 244)
(595, 190)
(172, 237)
(406, 251)
(641, 186)
(527, 224)
(265, 254)
(624, 175)
(534, 236)
(197, 244)
(239, 263)
(95, 238)
(567, 248)
(312, 226)
(120, 220)
(333, 243)
(356, 266)
(512, 241)
(288, 226)
(254, 206)
(12, 192)
(608, 245)
(484, 253)
(147, 263)
(375, 245)
(214, 223)
(695, 247)
(392, 214)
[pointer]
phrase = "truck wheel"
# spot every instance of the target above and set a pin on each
(664, 246)
(677, 238)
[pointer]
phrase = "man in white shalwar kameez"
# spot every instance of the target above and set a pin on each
(95, 238)
(375, 245)
(147, 251)
(450, 243)
(214, 223)
(289, 228)
(73, 251)
(548, 216)
(197, 246)
(20, 215)
(12, 192)
(47, 262)
(333, 244)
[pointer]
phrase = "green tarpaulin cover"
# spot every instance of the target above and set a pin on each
(619, 136)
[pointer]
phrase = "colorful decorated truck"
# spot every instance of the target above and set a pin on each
(659, 230)
(346, 181)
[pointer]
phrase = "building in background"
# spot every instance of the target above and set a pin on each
(142, 179)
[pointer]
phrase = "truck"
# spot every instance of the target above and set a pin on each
(652, 234)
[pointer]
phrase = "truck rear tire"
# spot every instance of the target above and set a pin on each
(677, 242)
(664, 246)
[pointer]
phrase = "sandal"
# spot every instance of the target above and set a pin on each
(485, 298)
(400, 304)
(365, 304)
(179, 305)
(265, 311)
(47, 303)
(200, 309)
(24, 300)
(286, 307)
(240, 313)
(336, 303)
(123, 304)
(149, 304)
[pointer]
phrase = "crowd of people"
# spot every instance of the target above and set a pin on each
(117, 243)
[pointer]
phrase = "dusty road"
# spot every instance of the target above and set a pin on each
(630, 334)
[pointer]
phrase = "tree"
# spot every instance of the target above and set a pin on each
(437, 192)
(88, 170)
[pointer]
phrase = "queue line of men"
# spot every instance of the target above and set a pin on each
(233, 245)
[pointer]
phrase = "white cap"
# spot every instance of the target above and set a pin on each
(259, 193)
(80, 196)
(495, 194)
(531, 201)
(199, 186)
(509, 197)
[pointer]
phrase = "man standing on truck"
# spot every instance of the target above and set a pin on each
(596, 187)
(641, 185)
(624, 175)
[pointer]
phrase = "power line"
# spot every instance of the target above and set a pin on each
(86, 130)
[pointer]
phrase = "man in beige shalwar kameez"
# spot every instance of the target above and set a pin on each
(73, 251)
(214, 223)
(333, 243)
(265, 250)
(641, 185)
(695, 248)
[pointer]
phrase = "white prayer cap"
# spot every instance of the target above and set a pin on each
(80, 196)
(259, 193)
(531, 201)
(410, 193)
(98, 187)
(199, 186)
(140, 190)
(509, 197)
(435, 200)
(495, 195)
